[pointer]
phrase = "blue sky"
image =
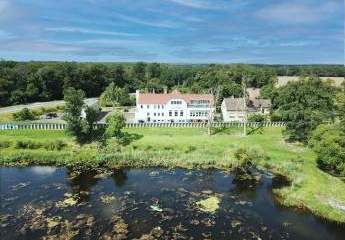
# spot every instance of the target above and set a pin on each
(175, 31)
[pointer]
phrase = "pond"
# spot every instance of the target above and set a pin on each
(58, 203)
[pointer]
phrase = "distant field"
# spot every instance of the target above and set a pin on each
(283, 80)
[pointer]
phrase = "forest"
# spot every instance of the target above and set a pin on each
(25, 82)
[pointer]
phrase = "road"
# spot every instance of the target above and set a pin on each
(16, 108)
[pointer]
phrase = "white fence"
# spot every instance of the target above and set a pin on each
(62, 126)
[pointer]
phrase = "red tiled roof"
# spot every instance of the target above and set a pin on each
(163, 98)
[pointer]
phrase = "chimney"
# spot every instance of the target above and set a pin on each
(153, 91)
(165, 89)
(137, 92)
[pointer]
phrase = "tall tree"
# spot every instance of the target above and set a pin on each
(305, 105)
(74, 102)
(139, 71)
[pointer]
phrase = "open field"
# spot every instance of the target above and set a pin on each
(283, 80)
(310, 188)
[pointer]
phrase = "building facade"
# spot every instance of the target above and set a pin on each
(234, 109)
(173, 107)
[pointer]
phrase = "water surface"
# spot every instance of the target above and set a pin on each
(53, 203)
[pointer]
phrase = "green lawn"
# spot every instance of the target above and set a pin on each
(311, 188)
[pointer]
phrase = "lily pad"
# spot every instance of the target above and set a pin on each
(70, 201)
(156, 208)
(209, 205)
(107, 199)
(53, 222)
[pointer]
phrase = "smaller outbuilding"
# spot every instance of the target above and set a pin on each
(234, 109)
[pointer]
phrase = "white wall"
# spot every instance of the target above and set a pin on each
(170, 112)
(231, 116)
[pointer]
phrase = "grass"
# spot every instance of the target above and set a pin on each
(311, 188)
(6, 117)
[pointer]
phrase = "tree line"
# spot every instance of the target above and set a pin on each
(25, 82)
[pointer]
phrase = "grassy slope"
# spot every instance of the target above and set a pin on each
(311, 188)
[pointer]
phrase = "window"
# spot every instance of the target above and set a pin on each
(141, 106)
(148, 106)
(162, 114)
(154, 114)
(181, 113)
(148, 114)
(176, 113)
(158, 114)
(162, 106)
(170, 113)
(159, 106)
(176, 102)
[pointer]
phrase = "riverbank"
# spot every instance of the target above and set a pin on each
(311, 189)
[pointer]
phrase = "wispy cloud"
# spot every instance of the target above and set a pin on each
(194, 3)
(298, 12)
(153, 23)
(89, 31)
(298, 43)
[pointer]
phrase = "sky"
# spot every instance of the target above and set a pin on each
(173, 31)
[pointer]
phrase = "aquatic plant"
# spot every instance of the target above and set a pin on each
(209, 205)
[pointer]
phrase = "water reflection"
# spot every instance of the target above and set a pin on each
(151, 203)
(120, 177)
(43, 170)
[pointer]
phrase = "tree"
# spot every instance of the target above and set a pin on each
(115, 123)
(341, 108)
(153, 70)
(74, 102)
(24, 115)
(118, 76)
(115, 96)
(328, 142)
(90, 119)
(304, 105)
(139, 70)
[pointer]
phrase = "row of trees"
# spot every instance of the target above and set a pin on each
(43, 81)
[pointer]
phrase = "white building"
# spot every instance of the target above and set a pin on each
(173, 107)
(233, 109)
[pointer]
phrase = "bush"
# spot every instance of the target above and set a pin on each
(27, 144)
(5, 144)
(246, 157)
(24, 115)
(54, 145)
(328, 142)
(257, 118)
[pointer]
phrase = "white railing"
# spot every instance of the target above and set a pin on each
(62, 126)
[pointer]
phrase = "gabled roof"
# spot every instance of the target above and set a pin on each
(234, 104)
(262, 103)
(237, 104)
(163, 98)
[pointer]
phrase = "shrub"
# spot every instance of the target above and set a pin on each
(246, 157)
(27, 144)
(24, 115)
(190, 149)
(5, 144)
(54, 145)
(257, 118)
